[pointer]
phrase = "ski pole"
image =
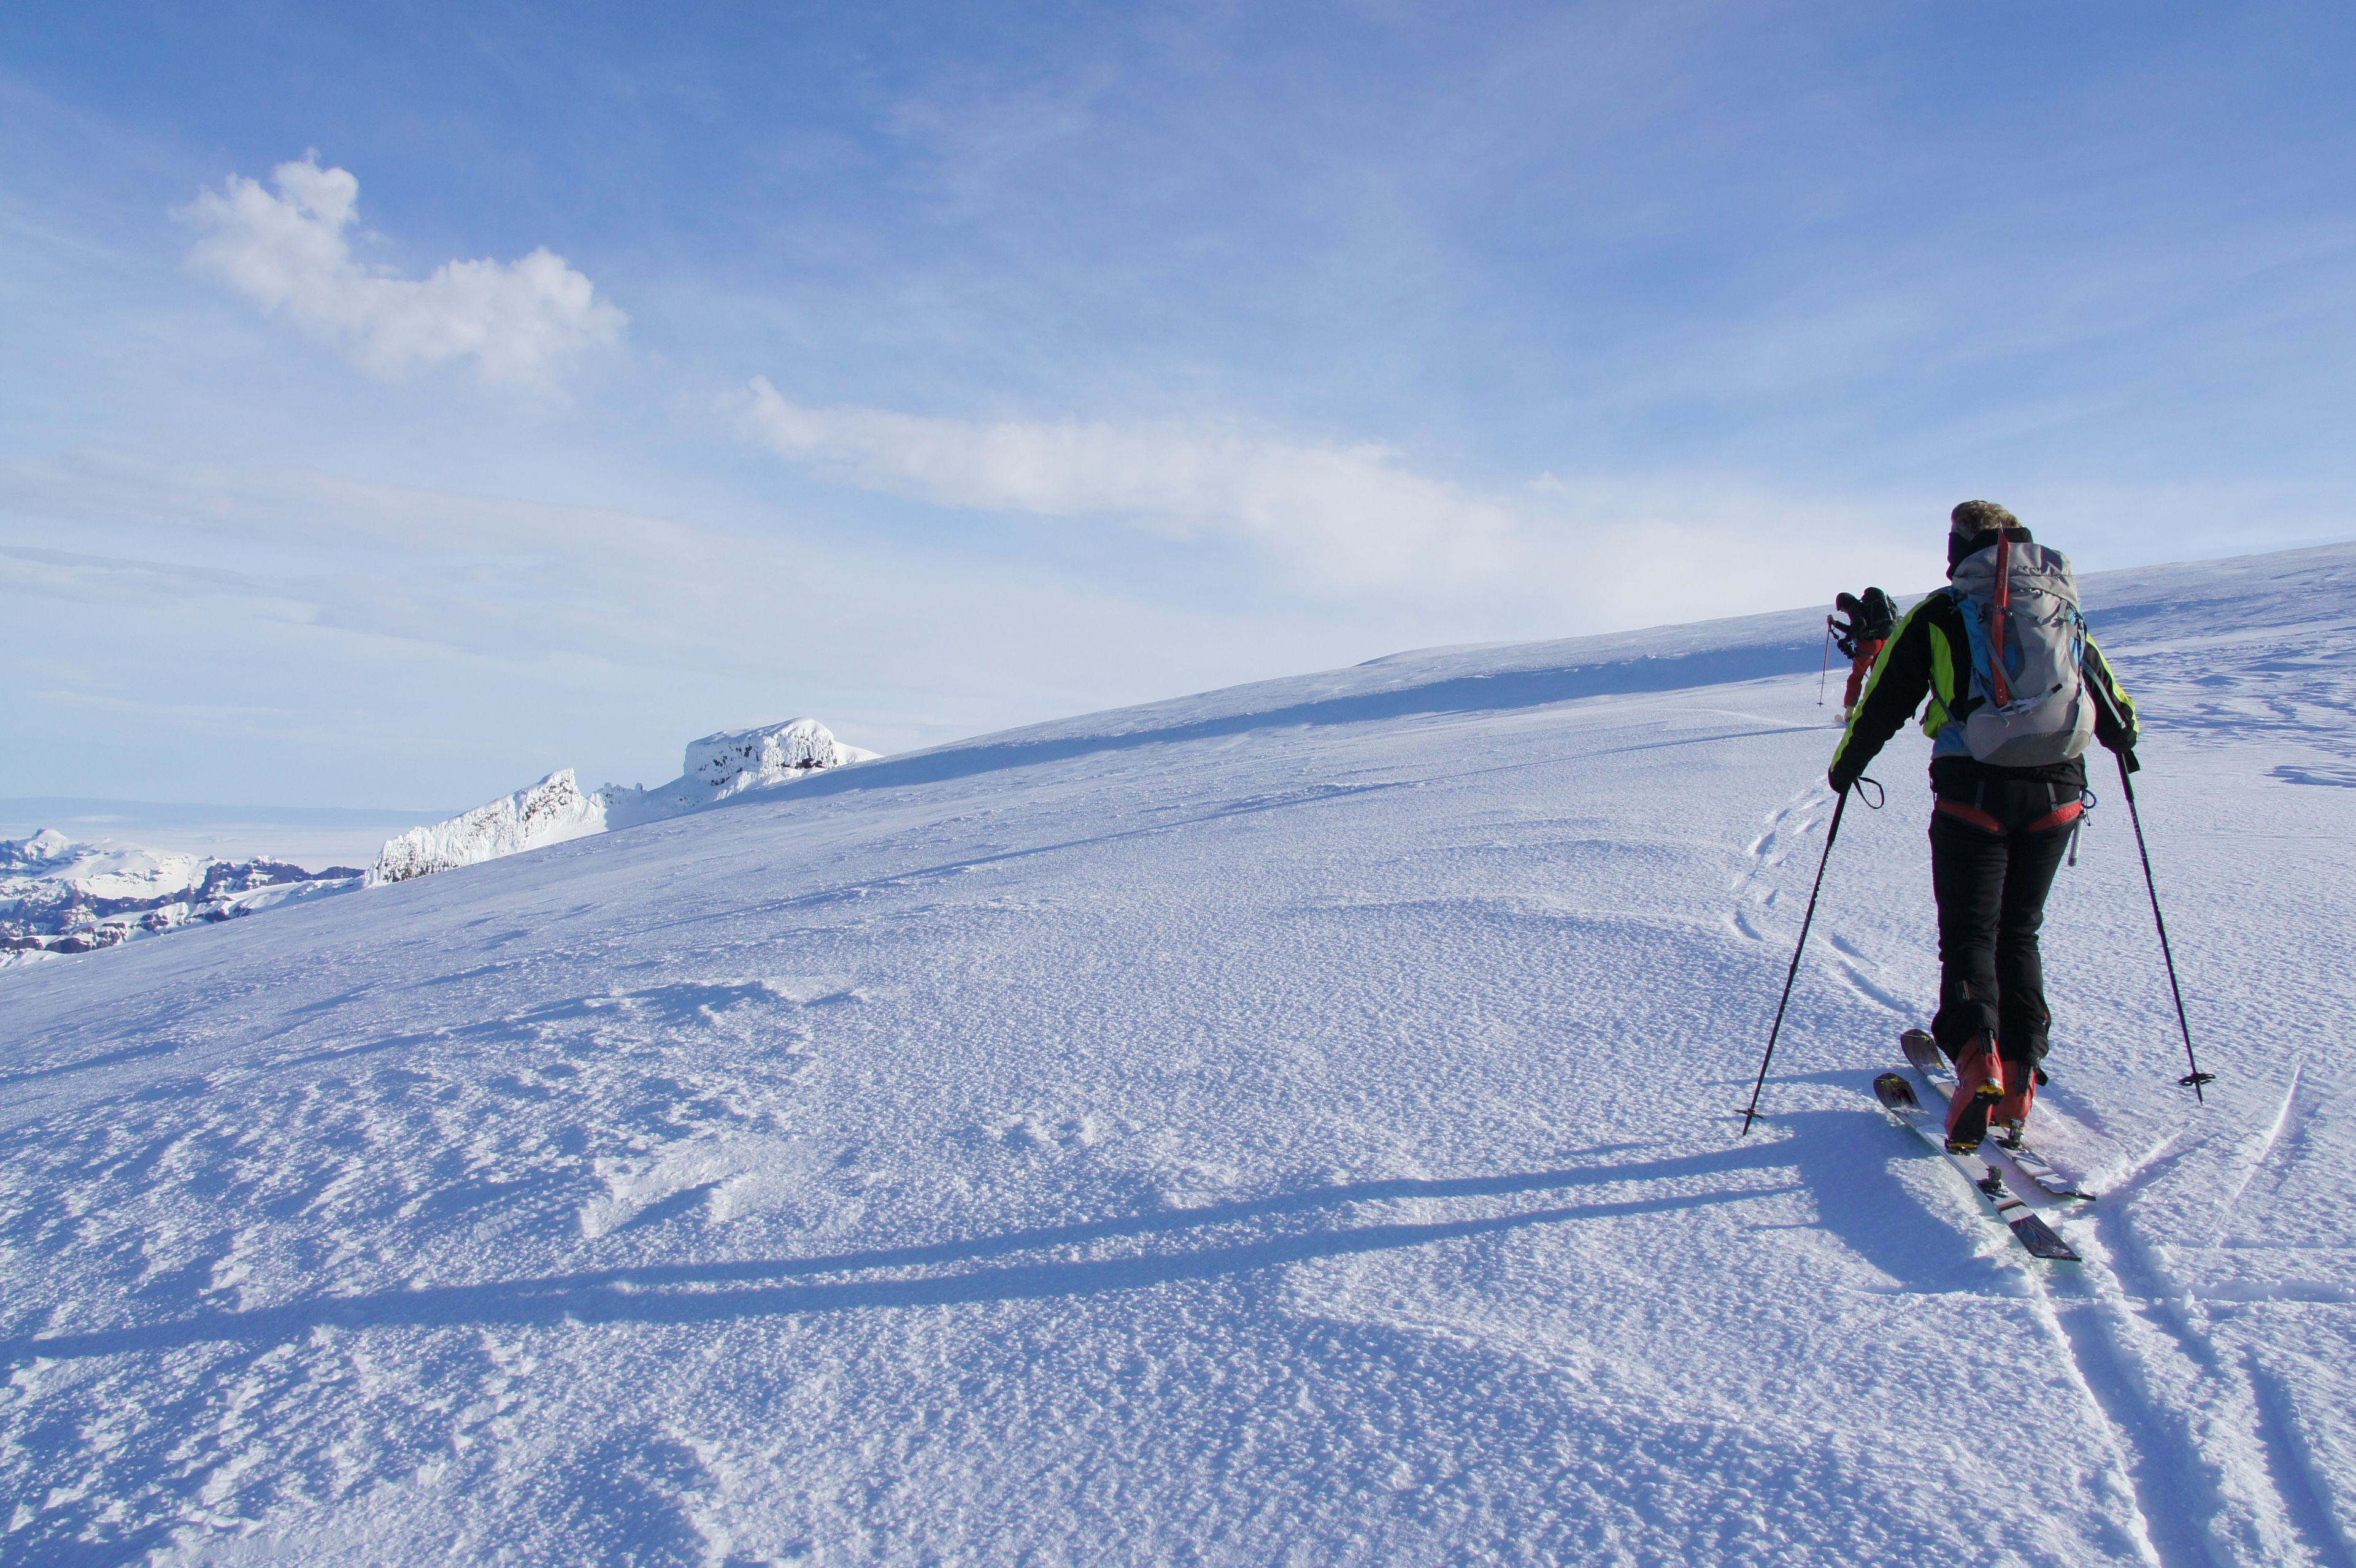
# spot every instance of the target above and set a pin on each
(1826, 674)
(2196, 1078)
(1801, 946)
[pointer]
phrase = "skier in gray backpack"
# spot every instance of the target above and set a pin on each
(2017, 692)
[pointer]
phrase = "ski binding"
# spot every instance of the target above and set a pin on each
(1922, 1054)
(1898, 1097)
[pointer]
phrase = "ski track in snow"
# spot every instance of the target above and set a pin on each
(1286, 1125)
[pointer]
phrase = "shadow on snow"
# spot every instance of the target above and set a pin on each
(1829, 1151)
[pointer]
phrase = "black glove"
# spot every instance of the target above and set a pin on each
(1841, 778)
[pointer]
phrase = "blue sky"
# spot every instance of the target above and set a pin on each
(609, 376)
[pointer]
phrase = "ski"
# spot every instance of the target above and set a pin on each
(1923, 1055)
(1898, 1097)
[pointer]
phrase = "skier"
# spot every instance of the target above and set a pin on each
(2017, 690)
(1860, 637)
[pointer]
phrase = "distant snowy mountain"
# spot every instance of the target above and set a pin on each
(558, 808)
(61, 895)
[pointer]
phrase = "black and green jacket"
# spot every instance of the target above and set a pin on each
(1929, 656)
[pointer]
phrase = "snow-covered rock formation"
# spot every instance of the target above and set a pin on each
(61, 895)
(558, 808)
(737, 760)
(549, 812)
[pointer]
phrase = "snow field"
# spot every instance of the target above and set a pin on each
(1293, 1124)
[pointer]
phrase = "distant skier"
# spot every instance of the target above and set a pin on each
(1860, 638)
(2017, 691)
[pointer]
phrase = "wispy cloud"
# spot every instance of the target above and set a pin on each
(1356, 515)
(1357, 520)
(290, 253)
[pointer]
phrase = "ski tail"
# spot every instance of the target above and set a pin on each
(2039, 1239)
(2040, 1171)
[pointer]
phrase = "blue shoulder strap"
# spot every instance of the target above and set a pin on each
(1975, 632)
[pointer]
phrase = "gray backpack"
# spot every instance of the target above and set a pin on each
(2027, 704)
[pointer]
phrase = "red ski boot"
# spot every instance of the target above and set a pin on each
(2012, 1111)
(1979, 1088)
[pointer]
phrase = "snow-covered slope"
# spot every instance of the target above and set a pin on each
(63, 895)
(1292, 1123)
(557, 808)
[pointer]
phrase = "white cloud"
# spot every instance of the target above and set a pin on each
(291, 254)
(1356, 515)
(1601, 551)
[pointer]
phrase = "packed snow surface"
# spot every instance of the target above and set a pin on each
(1289, 1124)
(557, 808)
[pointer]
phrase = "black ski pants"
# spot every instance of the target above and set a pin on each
(1993, 856)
